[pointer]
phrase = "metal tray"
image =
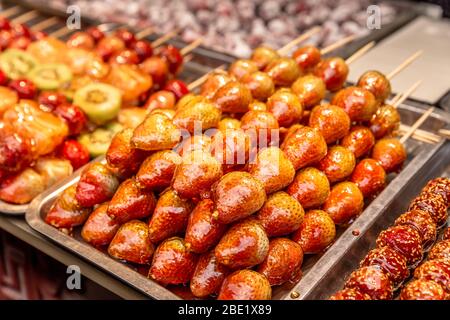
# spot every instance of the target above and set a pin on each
(344, 257)
(314, 266)
(203, 60)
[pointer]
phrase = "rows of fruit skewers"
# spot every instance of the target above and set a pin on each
(192, 191)
(400, 248)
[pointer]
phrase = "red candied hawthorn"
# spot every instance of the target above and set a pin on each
(422, 222)
(436, 270)
(349, 294)
(97, 184)
(441, 250)
(446, 235)
(403, 239)
(434, 204)
(440, 186)
(390, 261)
(423, 290)
(372, 281)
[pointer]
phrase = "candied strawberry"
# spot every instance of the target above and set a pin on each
(316, 232)
(273, 169)
(196, 174)
(237, 195)
(244, 245)
(344, 203)
(156, 172)
(281, 214)
(170, 216)
(172, 262)
(245, 285)
(66, 212)
(197, 117)
(130, 202)
(283, 262)
(131, 243)
(372, 281)
(370, 177)
(157, 132)
(310, 187)
(122, 156)
(99, 229)
(305, 146)
(203, 231)
(208, 276)
(262, 127)
(97, 184)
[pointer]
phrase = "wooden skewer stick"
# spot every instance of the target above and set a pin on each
(445, 133)
(60, 32)
(194, 84)
(165, 37)
(416, 125)
(422, 135)
(308, 34)
(45, 24)
(402, 97)
(337, 44)
(10, 11)
(404, 64)
(144, 32)
(359, 53)
(194, 44)
(25, 17)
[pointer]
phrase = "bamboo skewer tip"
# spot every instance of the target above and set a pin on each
(404, 64)
(416, 125)
(190, 47)
(360, 52)
(337, 44)
(400, 98)
(303, 37)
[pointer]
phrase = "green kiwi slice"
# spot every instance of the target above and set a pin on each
(16, 63)
(101, 102)
(50, 76)
(97, 142)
